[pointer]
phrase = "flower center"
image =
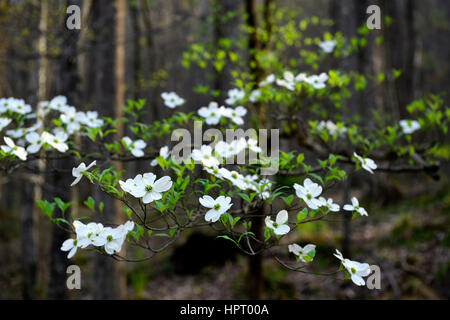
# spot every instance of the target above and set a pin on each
(216, 206)
(148, 188)
(109, 238)
(234, 175)
(309, 196)
(353, 270)
(275, 225)
(55, 140)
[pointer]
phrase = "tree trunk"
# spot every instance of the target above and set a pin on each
(121, 8)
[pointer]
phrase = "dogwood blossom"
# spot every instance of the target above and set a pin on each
(91, 120)
(147, 187)
(111, 239)
(329, 204)
(212, 113)
(35, 142)
(70, 245)
(235, 177)
(135, 147)
(357, 270)
(73, 119)
(328, 46)
(58, 103)
(164, 153)
(303, 254)
(355, 207)
(217, 206)
(172, 100)
(78, 171)
(331, 127)
(252, 144)
(279, 226)
(234, 95)
(309, 193)
(57, 141)
(255, 95)
(204, 155)
(366, 163)
(409, 126)
(268, 80)
(288, 81)
(4, 122)
(236, 114)
(318, 81)
(16, 150)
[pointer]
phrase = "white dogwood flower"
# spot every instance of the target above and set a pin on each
(212, 113)
(58, 103)
(309, 193)
(329, 204)
(318, 81)
(255, 95)
(71, 246)
(288, 81)
(356, 269)
(78, 171)
(279, 226)
(73, 119)
(328, 46)
(252, 144)
(217, 206)
(16, 150)
(234, 95)
(366, 163)
(4, 122)
(236, 179)
(409, 126)
(148, 188)
(91, 120)
(171, 99)
(57, 141)
(268, 80)
(303, 254)
(236, 114)
(135, 147)
(164, 153)
(355, 207)
(35, 142)
(204, 155)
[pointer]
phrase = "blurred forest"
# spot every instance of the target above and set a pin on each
(137, 49)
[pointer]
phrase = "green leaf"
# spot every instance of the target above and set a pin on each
(46, 207)
(302, 215)
(90, 203)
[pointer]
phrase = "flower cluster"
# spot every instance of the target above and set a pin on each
(310, 191)
(69, 121)
(213, 113)
(146, 187)
(111, 239)
(409, 126)
(332, 128)
(289, 80)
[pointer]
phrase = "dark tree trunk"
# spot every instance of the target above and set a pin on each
(29, 266)
(102, 95)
